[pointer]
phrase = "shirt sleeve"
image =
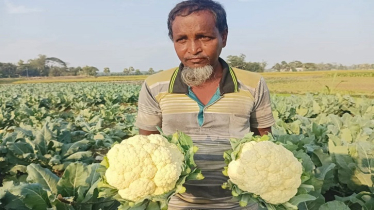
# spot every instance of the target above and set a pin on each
(149, 112)
(262, 116)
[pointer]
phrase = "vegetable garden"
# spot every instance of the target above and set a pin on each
(53, 138)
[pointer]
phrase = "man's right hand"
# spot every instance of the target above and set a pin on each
(146, 133)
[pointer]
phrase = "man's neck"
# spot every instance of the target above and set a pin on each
(217, 72)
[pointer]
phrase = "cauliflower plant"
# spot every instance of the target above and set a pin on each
(144, 166)
(268, 170)
(262, 170)
(143, 172)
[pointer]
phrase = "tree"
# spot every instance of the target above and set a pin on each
(106, 70)
(43, 64)
(86, 70)
(342, 67)
(264, 64)
(310, 66)
(138, 72)
(7, 70)
(126, 71)
(277, 67)
(294, 65)
(90, 70)
(239, 62)
(55, 71)
(22, 68)
(93, 71)
(285, 66)
(255, 67)
(79, 70)
(151, 71)
(365, 66)
(71, 71)
(324, 66)
(131, 69)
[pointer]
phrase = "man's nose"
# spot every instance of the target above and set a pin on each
(194, 47)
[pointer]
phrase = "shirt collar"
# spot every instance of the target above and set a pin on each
(228, 83)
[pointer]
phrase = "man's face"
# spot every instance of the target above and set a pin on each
(197, 41)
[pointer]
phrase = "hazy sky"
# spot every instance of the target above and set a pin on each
(118, 34)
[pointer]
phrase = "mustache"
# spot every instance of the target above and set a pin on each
(196, 57)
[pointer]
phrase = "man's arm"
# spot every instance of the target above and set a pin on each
(146, 133)
(262, 117)
(261, 131)
(149, 112)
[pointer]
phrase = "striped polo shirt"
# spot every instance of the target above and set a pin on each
(242, 101)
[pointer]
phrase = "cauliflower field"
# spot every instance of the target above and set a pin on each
(53, 137)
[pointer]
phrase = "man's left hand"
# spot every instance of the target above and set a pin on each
(261, 131)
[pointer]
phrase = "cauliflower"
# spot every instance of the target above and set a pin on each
(144, 166)
(268, 170)
(143, 172)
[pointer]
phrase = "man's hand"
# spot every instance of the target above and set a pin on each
(146, 133)
(261, 131)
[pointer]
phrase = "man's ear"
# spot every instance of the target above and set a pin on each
(224, 37)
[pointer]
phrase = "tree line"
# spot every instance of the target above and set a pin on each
(239, 62)
(44, 66)
(299, 66)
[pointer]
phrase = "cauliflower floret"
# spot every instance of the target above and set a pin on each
(144, 166)
(268, 170)
(137, 190)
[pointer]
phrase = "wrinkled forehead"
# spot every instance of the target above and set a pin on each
(197, 21)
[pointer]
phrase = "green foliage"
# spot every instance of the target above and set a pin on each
(340, 143)
(64, 124)
(75, 190)
(151, 71)
(332, 205)
(38, 67)
(106, 70)
(138, 72)
(298, 65)
(53, 135)
(239, 62)
(128, 71)
(90, 70)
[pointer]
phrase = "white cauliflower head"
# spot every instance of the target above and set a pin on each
(268, 170)
(144, 166)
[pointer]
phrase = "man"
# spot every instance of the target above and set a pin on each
(204, 98)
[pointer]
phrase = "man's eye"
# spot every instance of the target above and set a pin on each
(205, 38)
(181, 40)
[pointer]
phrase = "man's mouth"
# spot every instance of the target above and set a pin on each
(196, 59)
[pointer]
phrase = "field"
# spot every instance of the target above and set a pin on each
(345, 82)
(353, 82)
(49, 132)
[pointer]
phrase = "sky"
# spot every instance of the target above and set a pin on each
(119, 34)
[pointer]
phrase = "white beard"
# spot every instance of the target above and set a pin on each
(196, 76)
